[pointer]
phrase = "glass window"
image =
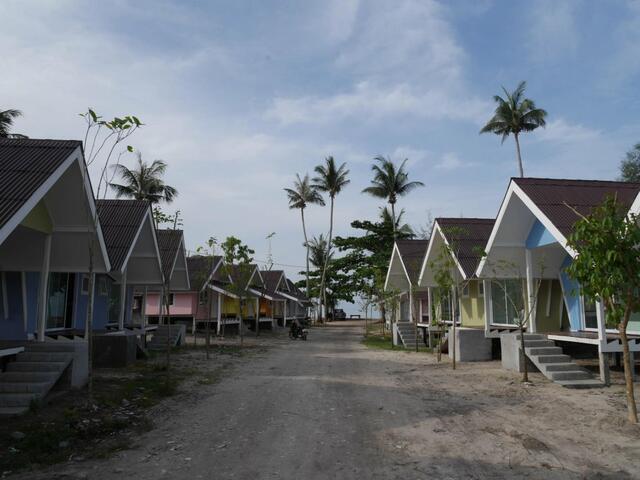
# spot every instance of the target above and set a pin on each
(85, 284)
(113, 292)
(506, 301)
(103, 287)
(480, 289)
(60, 300)
(590, 315)
(171, 299)
(465, 291)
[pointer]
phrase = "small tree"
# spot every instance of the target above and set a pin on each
(630, 165)
(204, 293)
(238, 258)
(101, 140)
(607, 247)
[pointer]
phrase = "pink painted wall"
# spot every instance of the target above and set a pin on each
(183, 304)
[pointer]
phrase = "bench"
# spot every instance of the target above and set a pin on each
(355, 315)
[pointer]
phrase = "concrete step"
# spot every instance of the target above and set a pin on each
(12, 411)
(589, 383)
(17, 399)
(538, 343)
(558, 367)
(543, 350)
(44, 357)
(36, 366)
(553, 358)
(532, 336)
(56, 346)
(28, 377)
(570, 375)
(25, 387)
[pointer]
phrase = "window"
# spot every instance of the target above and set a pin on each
(507, 301)
(480, 289)
(171, 299)
(60, 300)
(103, 287)
(84, 284)
(114, 301)
(202, 297)
(465, 291)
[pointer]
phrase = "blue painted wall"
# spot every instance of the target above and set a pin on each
(571, 292)
(33, 285)
(12, 320)
(539, 236)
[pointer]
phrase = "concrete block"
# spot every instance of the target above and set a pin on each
(510, 354)
(471, 345)
(114, 351)
(79, 365)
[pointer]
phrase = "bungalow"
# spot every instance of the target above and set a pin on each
(456, 245)
(47, 223)
(176, 272)
(527, 253)
(297, 305)
(402, 279)
(131, 241)
(274, 304)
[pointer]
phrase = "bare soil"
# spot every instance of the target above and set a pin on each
(332, 408)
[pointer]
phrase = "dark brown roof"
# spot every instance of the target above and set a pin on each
(271, 279)
(468, 237)
(412, 253)
(198, 266)
(120, 221)
(169, 245)
(25, 164)
(240, 274)
(553, 195)
(296, 292)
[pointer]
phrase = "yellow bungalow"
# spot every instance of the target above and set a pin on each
(457, 244)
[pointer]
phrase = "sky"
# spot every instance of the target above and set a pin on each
(239, 96)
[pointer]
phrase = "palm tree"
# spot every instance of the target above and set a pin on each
(301, 195)
(399, 228)
(515, 114)
(330, 180)
(390, 183)
(144, 182)
(6, 122)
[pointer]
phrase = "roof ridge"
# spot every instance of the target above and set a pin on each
(550, 179)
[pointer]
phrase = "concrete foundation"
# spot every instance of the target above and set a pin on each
(471, 345)
(80, 364)
(114, 351)
(511, 354)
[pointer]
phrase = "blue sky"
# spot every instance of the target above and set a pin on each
(239, 96)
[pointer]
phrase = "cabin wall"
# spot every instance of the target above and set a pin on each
(472, 307)
(549, 306)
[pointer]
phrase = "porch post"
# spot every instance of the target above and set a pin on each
(410, 304)
(123, 299)
(486, 286)
(44, 288)
(25, 309)
(531, 300)
(603, 360)
(92, 296)
(219, 313)
(143, 308)
(432, 313)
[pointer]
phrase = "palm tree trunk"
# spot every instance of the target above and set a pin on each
(306, 244)
(393, 218)
(326, 261)
(518, 154)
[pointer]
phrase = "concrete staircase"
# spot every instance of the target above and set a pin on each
(34, 372)
(407, 334)
(175, 334)
(555, 365)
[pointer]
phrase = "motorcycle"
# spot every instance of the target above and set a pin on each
(297, 331)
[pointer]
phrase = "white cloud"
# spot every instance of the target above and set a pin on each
(451, 161)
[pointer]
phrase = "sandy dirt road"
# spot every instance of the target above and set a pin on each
(330, 408)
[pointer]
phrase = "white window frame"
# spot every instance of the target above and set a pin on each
(480, 289)
(103, 288)
(84, 278)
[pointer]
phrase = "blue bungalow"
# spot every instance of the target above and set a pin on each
(524, 269)
(47, 224)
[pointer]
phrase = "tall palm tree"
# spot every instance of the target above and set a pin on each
(514, 115)
(6, 122)
(331, 180)
(144, 182)
(301, 195)
(390, 182)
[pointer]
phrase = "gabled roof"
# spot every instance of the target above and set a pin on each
(468, 237)
(552, 196)
(245, 275)
(296, 293)
(121, 221)
(272, 279)
(169, 242)
(197, 266)
(25, 166)
(412, 253)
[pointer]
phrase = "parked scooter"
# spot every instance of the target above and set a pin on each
(297, 331)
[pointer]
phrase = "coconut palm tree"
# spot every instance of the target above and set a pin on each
(144, 182)
(301, 195)
(390, 182)
(6, 122)
(514, 115)
(331, 180)
(399, 228)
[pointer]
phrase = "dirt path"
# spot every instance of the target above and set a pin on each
(331, 409)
